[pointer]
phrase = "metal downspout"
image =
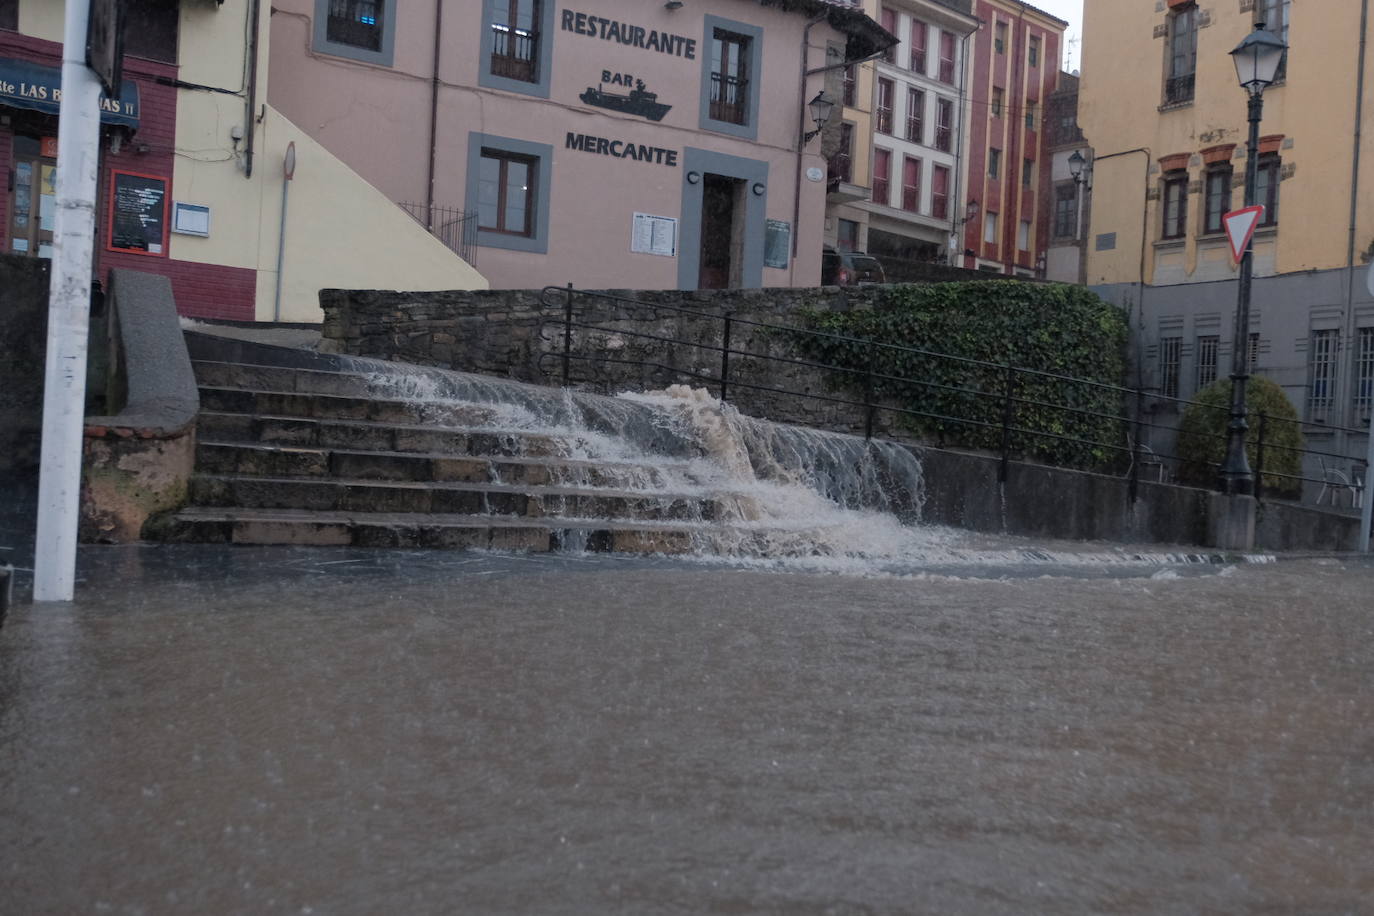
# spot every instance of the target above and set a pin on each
(958, 223)
(252, 102)
(801, 147)
(434, 116)
(1366, 518)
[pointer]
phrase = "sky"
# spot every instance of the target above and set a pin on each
(1072, 11)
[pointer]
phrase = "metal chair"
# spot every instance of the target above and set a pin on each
(1333, 481)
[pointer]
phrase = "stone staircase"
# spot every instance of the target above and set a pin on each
(304, 456)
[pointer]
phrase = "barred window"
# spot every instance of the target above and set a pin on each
(1207, 360)
(1321, 374)
(515, 39)
(1364, 374)
(1170, 354)
(915, 115)
(885, 91)
(1252, 356)
(944, 124)
(1178, 87)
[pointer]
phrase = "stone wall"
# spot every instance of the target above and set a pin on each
(23, 337)
(641, 341)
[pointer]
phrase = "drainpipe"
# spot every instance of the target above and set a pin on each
(252, 102)
(1365, 514)
(434, 115)
(801, 151)
(957, 209)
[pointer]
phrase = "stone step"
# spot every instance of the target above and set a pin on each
(374, 436)
(451, 532)
(446, 498)
(292, 461)
(275, 378)
(340, 407)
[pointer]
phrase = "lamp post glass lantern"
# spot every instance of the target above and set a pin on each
(820, 113)
(1257, 59)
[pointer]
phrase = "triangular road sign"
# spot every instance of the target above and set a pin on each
(1240, 226)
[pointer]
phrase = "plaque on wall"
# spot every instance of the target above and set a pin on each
(137, 214)
(777, 241)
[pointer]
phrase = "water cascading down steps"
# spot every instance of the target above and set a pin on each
(382, 455)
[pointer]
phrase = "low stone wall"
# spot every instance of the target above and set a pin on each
(641, 342)
(138, 462)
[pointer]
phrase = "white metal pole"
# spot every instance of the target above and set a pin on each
(69, 307)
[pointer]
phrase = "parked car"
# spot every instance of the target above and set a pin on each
(850, 268)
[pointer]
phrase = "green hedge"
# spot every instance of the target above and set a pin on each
(1055, 328)
(1202, 435)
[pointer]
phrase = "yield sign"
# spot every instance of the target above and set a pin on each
(1240, 226)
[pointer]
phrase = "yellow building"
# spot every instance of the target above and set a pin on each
(192, 181)
(1162, 108)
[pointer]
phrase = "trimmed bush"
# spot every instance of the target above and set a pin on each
(1202, 435)
(1053, 328)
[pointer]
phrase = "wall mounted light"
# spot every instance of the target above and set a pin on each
(1080, 169)
(820, 113)
(693, 177)
(759, 188)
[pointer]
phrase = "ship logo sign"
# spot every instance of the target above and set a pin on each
(638, 101)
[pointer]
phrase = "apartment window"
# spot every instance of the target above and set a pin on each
(1175, 196)
(1030, 115)
(939, 192)
(1321, 373)
(944, 124)
(889, 20)
(9, 15)
(990, 228)
(729, 77)
(998, 98)
(911, 185)
(1364, 374)
(1182, 55)
(994, 162)
(851, 78)
(919, 37)
(151, 27)
(882, 169)
(915, 115)
(363, 30)
(1170, 353)
(999, 43)
(947, 57)
(1217, 200)
(1023, 234)
(1034, 53)
(1207, 345)
(885, 92)
(1027, 172)
(1267, 188)
(1066, 210)
(1274, 15)
(508, 184)
(842, 163)
(517, 46)
(847, 235)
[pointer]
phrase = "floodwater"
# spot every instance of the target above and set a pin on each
(259, 731)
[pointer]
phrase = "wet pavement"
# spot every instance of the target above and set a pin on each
(260, 730)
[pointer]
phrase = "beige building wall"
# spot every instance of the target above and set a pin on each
(1122, 108)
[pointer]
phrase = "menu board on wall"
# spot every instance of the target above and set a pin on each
(138, 213)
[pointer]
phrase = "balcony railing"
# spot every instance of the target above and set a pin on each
(1179, 89)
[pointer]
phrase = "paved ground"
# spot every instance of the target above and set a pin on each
(300, 731)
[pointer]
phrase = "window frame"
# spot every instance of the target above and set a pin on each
(944, 124)
(990, 228)
(1207, 361)
(915, 115)
(1170, 365)
(939, 201)
(384, 57)
(1027, 173)
(947, 64)
(882, 177)
(539, 86)
(911, 193)
(1269, 171)
(753, 69)
(1322, 362)
(1033, 51)
(994, 162)
(883, 113)
(919, 48)
(537, 242)
(1180, 70)
(999, 99)
(1362, 392)
(1066, 217)
(999, 37)
(1216, 197)
(841, 165)
(888, 20)
(1173, 180)
(9, 23)
(850, 85)
(1024, 229)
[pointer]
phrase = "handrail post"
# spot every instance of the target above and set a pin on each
(567, 331)
(870, 408)
(1006, 424)
(725, 360)
(1259, 456)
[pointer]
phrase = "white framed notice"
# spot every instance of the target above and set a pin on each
(190, 219)
(654, 235)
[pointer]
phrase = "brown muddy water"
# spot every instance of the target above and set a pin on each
(217, 731)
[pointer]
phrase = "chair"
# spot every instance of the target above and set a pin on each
(1333, 481)
(1150, 463)
(1358, 473)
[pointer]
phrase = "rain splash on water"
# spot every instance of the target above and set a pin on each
(756, 493)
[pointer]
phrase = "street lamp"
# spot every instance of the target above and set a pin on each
(1257, 60)
(820, 113)
(1077, 164)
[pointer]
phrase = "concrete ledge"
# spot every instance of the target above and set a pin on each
(138, 461)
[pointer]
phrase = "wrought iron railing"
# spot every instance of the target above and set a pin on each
(1179, 89)
(454, 227)
(1001, 392)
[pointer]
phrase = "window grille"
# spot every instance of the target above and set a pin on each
(944, 121)
(515, 39)
(915, 115)
(1364, 374)
(1207, 360)
(885, 91)
(1170, 355)
(729, 77)
(1253, 355)
(1321, 371)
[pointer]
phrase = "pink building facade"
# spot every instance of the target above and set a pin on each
(1015, 68)
(596, 143)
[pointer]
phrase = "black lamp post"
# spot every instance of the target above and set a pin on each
(820, 113)
(1257, 61)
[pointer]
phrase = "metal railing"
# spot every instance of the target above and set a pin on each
(454, 227)
(1005, 392)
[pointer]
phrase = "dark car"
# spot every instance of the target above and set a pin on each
(850, 268)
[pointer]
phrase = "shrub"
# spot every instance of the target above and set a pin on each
(1053, 328)
(1202, 435)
